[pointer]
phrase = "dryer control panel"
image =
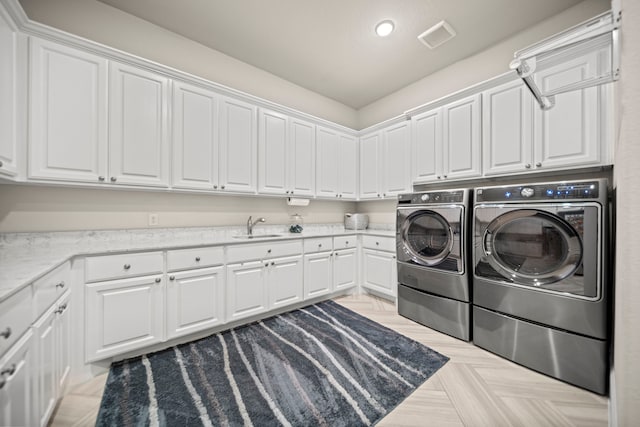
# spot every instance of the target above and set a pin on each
(434, 197)
(580, 190)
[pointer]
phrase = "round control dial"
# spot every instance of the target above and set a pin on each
(425, 197)
(527, 192)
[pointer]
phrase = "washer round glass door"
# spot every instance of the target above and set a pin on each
(532, 247)
(427, 237)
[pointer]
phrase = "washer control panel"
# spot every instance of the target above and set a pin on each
(547, 191)
(434, 197)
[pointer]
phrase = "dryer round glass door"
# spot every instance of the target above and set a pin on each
(427, 237)
(532, 247)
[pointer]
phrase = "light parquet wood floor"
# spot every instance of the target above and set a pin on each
(474, 389)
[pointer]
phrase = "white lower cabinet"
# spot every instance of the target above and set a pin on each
(318, 274)
(379, 269)
(53, 349)
(16, 385)
(195, 300)
(345, 264)
(246, 289)
(285, 281)
(123, 315)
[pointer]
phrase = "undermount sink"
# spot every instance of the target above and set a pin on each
(256, 236)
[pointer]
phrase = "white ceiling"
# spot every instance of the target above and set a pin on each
(329, 46)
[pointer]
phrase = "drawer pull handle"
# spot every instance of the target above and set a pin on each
(9, 371)
(273, 263)
(347, 242)
(127, 266)
(60, 285)
(319, 245)
(172, 278)
(377, 243)
(269, 251)
(158, 280)
(197, 259)
(6, 333)
(266, 264)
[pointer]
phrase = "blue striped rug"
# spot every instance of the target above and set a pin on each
(322, 365)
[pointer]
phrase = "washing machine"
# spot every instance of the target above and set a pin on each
(432, 260)
(541, 277)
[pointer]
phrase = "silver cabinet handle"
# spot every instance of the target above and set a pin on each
(158, 280)
(384, 194)
(438, 177)
(197, 259)
(341, 195)
(266, 264)
(215, 187)
(9, 371)
(377, 243)
(538, 164)
(101, 178)
(172, 278)
(6, 333)
(287, 191)
(268, 251)
(60, 285)
(291, 191)
(444, 176)
(113, 179)
(61, 309)
(127, 266)
(346, 243)
(273, 263)
(319, 245)
(222, 187)
(528, 166)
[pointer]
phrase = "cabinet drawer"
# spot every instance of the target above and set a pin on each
(248, 252)
(126, 265)
(50, 287)
(15, 317)
(183, 259)
(320, 244)
(377, 242)
(345, 242)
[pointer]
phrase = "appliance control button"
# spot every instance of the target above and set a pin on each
(527, 192)
(425, 197)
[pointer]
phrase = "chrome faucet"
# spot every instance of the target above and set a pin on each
(251, 224)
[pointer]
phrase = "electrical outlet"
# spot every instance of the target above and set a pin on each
(153, 219)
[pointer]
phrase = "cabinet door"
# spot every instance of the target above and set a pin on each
(427, 146)
(285, 281)
(395, 157)
(348, 164)
(63, 342)
(318, 274)
(345, 269)
(379, 270)
(238, 146)
(462, 138)
(246, 290)
(328, 149)
(507, 132)
(568, 134)
(272, 152)
(138, 128)
(195, 137)
(9, 91)
(67, 114)
(302, 158)
(195, 300)
(370, 179)
(46, 352)
(123, 315)
(16, 386)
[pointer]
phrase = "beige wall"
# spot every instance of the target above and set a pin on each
(626, 361)
(104, 24)
(475, 69)
(39, 208)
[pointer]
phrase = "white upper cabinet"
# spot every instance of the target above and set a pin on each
(348, 167)
(195, 137)
(447, 142)
(570, 133)
(286, 155)
(8, 89)
(238, 146)
(273, 138)
(138, 126)
(507, 133)
(462, 139)
(67, 114)
(370, 181)
(302, 158)
(385, 162)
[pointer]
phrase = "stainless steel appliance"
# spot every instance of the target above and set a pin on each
(431, 235)
(541, 281)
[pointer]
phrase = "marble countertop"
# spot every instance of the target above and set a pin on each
(24, 257)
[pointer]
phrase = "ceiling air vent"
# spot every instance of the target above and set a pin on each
(436, 35)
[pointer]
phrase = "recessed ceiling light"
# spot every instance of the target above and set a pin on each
(384, 28)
